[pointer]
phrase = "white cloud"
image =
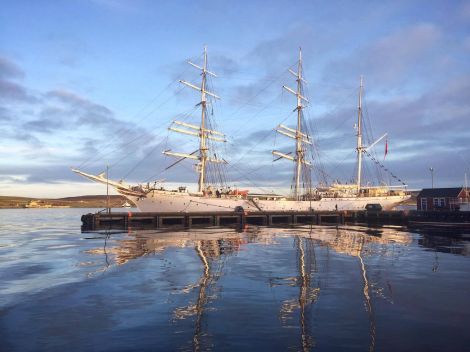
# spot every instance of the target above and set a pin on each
(47, 190)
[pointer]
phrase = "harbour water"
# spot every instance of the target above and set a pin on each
(345, 288)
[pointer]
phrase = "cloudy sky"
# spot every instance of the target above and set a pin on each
(94, 83)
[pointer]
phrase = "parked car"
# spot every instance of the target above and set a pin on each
(373, 207)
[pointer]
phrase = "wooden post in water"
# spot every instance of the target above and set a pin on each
(108, 209)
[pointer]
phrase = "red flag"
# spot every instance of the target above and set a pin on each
(386, 148)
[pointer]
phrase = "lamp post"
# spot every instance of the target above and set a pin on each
(432, 176)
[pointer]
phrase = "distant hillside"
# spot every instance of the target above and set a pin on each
(88, 201)
(13, 202)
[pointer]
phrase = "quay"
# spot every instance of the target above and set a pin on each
(144, 220)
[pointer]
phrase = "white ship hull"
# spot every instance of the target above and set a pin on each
(179, 202)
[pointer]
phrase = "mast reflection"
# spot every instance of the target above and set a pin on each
(306, 264)
(213, 247)
(202, 297)
(307, 295)
(368, 301)
(209, 252)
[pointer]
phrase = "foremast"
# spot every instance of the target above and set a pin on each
(297, 134)
(359, 148)
(202, 132)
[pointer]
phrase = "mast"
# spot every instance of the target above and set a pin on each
(359, 139)
(200, 131)
(202, 135)
(297, 133)
(298, 136)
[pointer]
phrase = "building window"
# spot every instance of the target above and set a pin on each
(424, 204)
(442, 202)
(435, 202)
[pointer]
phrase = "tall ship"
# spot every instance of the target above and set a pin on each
(214, 196)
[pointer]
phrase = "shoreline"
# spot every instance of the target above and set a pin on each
(88, 201)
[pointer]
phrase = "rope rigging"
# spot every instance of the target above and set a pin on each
(379, 164)
(370, 139)
(146, 142)
(123, 130)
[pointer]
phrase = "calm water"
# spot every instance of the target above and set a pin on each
(320, 288)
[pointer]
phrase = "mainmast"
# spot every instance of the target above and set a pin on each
(201, 131)
(296, 134)
(202, 138)
(299, 152)
(360, 147)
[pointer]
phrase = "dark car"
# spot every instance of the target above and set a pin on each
(373, 207)
(239, 209)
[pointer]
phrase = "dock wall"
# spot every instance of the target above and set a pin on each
(143, 220)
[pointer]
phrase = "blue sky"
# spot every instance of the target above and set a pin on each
(90, 83)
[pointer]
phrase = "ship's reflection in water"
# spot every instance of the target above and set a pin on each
(321, 288)
(305, 261)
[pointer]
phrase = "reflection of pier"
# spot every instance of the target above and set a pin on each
(140, 243)
(348, 241)
(341, 240)
(445, 244)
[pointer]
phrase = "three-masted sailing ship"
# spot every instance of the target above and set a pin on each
(210, 199)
